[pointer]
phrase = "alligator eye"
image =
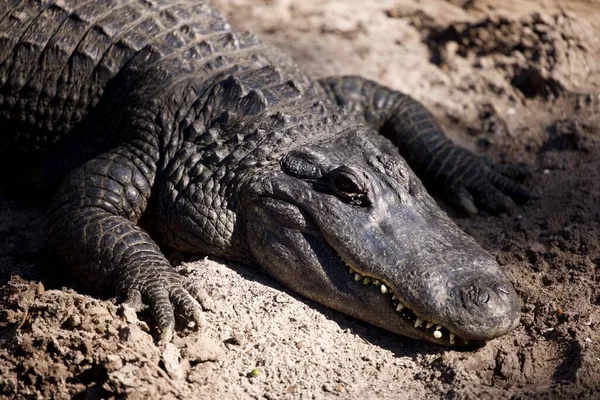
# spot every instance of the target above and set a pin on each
(348, 185)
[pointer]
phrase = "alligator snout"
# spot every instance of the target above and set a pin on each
(486, 296)
(493, 307)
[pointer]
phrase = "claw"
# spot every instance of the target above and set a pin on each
(200, 295)
(511, 188)
(493, 199)
(166, 295)
(134, 300)
(165, 337)
(464, 201)
(198, 318)
(187, 306)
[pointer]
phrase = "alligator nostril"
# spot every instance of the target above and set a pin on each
(483, 297)
(475, 295)
(502, 290)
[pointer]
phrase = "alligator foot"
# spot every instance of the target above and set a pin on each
(472, 183)
(166, 294)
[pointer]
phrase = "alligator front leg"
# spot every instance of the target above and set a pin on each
(466, 180)
(93, 228)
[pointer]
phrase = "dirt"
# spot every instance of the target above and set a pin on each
(517, 81)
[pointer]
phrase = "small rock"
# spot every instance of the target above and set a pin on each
(452, 48)
(86, 346)
(127, 313)
(394, 13)
(171, 361)
(78, 358)
(131, 333)
(543, 18)
(113, 362)
(328, 387)
(200, 349)
(198, 376)
(541, 28)
(40, 290)
(96, 311)
(232, 341)
(127, 376)
(486, 62)
(73, 321)
(527, 31)
(291, 389)
(282, 298)
(529, 307)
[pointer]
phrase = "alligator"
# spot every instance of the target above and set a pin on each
(154, 121)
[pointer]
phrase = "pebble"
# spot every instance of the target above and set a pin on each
(171, 361)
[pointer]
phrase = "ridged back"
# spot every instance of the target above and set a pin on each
(57, 57)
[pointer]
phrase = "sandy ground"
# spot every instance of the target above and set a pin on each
(520, 82)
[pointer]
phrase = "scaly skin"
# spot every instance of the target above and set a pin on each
(159, 109)
(445, 167)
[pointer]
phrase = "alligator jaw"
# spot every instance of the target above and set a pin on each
(412, 324)
(314, 259)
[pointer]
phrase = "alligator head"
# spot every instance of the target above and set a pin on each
(346, 223)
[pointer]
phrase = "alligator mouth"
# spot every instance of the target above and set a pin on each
(431, 330)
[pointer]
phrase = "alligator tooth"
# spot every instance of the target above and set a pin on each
(437, 334)
(351, 270)
(394, 297)
(377, 282)
(399, 307)
(366, 280)
(437, 328)
(358, 277)
(429, 325)
(418, 322)
(383, 289)
(452, 336)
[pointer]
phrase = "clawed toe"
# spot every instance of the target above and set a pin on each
(198, 293)
(187, 306)
(166, 295)
(134, 300)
